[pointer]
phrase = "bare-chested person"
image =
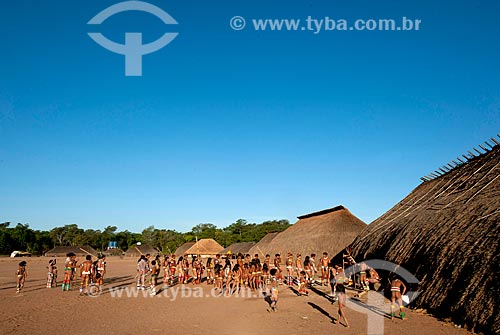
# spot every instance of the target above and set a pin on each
(166, 269)
(196, 269)
(298, 266)
(323, 265)
(173, 267)
(85, 274)
(21, 275)
(101, 269)
(69, 266)
(210, 271)
(277, 266)
(314, 269)
(142, 270)
(396, 294)
(180, 270)
(363, 268)
(185, 267)
(236, 279)
(155, 272)
(289, 269)
(341, 281)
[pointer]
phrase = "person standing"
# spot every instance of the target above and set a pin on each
(22, 274)
(396, 294)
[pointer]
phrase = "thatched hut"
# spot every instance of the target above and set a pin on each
(328, 230)
(238, 248)
(446, 232)
(143, 249)
(205, 247)
(262, 244)
(183, 248)
(62, 251)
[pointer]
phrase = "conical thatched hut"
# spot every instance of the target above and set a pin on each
(263, 244)
(205, 247)
(328, 230)
(61, 251)
(183, 248)
(447, 234)
(143, 249)
(237, 248)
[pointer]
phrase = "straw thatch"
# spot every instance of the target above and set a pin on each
(205, 247)
(143, 249)
(329, 230)
(263, 244)
(239, 248)
(446, 233)
(183, 248)
(61, 251)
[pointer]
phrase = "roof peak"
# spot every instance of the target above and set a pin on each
(322, 212)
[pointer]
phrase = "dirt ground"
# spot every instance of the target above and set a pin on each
(186, 309)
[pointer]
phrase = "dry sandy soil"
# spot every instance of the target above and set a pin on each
(38, 310)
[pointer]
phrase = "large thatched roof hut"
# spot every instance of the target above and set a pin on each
(205, 247)
(62, 251)
(262, 244)
(183, 248)
(328, 230)
(239, 248)
(446, 232)
(143, 249)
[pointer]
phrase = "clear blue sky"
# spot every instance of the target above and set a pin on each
(230, 124)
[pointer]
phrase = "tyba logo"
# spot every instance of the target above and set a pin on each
(133, 49)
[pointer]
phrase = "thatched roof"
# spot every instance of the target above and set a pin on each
(447, 234)
(61, 251)
(143, 249)
(206, 246)
(183, 248)
(263, 244)
(328, 230)
(240, 247)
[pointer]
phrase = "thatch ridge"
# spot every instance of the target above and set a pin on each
(61, 251)
(328, 230)
(446, 233)
(239, 248)
(143, 249)
(205, 247)
(180, 251)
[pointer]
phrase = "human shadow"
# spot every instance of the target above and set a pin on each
(322, 311)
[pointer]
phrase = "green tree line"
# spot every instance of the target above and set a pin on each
(22, 237)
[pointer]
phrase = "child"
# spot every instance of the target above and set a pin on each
(303, 283)
(323, 262)
(21, 276)
(50, 274)
(274, 290)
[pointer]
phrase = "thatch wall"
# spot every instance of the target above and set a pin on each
(61, 251)
(138, 250)
(237, 248)
(263, 244)
(205, 247)
(181, 251)
(329, 230)
(447, 233)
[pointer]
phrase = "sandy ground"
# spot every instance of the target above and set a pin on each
(185, 309)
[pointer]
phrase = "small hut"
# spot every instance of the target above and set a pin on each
(142, 249)
(205, 247)
(62, 251)
(181, 251)
(262, 244)
(329, 230)
(238, 248)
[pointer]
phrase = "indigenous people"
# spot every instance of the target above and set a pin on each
(307, 269)
(85, 273)
(323, 265)
(217, 260)
(277, 266)
(173, 266)
(180, 270)
(101, 270)
(274, 289)
(302, 283)
(236, 276)
(314, 270)
(298, 265)
(332, 274)
(340, 281)
(185, 267)
(219, 277)
(289, 269)
(69, 266)
(246, 274)
(267, 260)
(166, 269)
(265, 275)
(210, 274)
(155, 271)
(52, 274)
(396, 294)
(196, 270)
(142, 270)
(21, 274)
(362, 272)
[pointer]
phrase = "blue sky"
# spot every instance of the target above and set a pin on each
(228, 124)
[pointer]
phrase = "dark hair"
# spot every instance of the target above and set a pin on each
(88, 257)
(23, 263)
(153, 262)
(265, 267)
(273, 271)
(236, 267)
(209, 261)
(313, 255)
